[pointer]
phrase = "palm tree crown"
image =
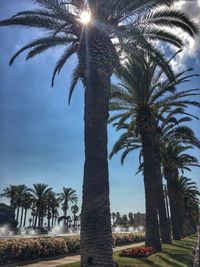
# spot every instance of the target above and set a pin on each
(11, 193)
(68, 196)
(39, 193)
(130, 22)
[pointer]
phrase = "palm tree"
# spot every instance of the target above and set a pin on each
(94, 42)
(33, 213)
(26, 205)
(20, 191)
(138, 99)
(74, 210)
(118, 218)
(10, 192)
(173, 159)
(131, 218)
(39, 193)
(52, 205)
(113, 216)
(169, 128)
(188, 200)
(67, 196)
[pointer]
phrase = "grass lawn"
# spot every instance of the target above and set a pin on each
(177, 255)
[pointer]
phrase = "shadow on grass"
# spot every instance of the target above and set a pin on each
(149, 262)
(183, 246)
(175, 260)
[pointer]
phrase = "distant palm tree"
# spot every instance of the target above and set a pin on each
(67, 196)
(131, 218)
(26, 204)
(174, 159)
(10, 192)
(33, 213)
(21, 190)
(74, 210)
(188, 200)
(52, 205)
(133, 23)
(39, 193)
(118, 218)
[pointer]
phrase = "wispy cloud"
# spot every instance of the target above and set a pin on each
(191, 46)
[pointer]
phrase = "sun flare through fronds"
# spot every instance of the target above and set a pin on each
(85, 17)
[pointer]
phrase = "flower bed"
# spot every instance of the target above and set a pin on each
(137, 252)
(19, 249)
(23, 249)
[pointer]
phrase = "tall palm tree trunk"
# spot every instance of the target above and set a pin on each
(97, 56)
(165, 228)
(49, 220)
(151, 191)
(33, 221)
(25, 214)
(96, 236)
(22, 213)
(39, 219)
(17, 218)
(65, 215)
(171, 187)
(13, 206)
(36, 218)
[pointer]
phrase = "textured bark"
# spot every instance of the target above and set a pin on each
(96, 57)
(96, 237)
(165, 228)
(171, 177)
(151, 190)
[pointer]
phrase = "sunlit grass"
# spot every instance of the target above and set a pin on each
(179, 254)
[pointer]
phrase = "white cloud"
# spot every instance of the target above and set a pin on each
(191, 46)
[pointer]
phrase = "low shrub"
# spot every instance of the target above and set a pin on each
(73, 243)
(23, 249)
(120, 239)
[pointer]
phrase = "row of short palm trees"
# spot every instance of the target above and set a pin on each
(151, 111)
(117, 29)
(43, 203)
(122, 220)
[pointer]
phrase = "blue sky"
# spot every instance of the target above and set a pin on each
(41, 137)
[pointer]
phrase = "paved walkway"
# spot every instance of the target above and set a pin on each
(71, 259)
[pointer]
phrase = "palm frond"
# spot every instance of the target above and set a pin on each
(168, 17)
(61, 62)
(78, 74)
(49, 40)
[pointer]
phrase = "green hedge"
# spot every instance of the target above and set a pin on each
(23, 249)
(120, 239)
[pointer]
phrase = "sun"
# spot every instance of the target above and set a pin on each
(85, 17)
